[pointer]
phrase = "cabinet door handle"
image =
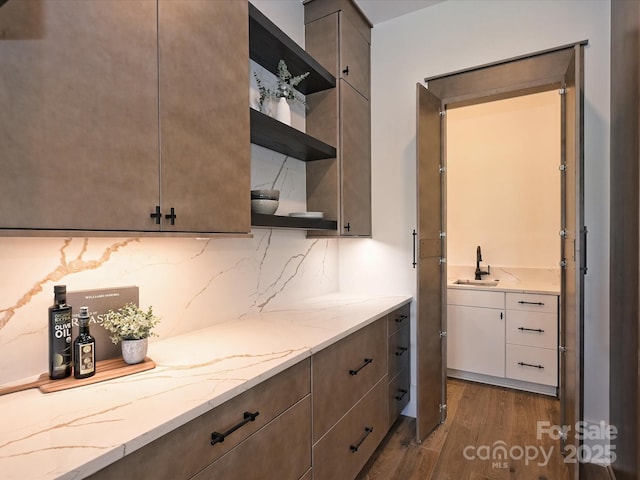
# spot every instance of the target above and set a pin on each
(402, 392)
(522, 302)
(347, 227)
(219, 437)
(367, 431)
(367, 361)
(522, 364)
(346, 70)
(171, 216)
(400, 351)
(401, 318)
(157, 215)
(414, 263)
(531, 329)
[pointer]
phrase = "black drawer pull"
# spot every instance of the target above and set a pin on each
(219, 437)
(157, 215)
(172, 216)
(367, 361)
(367, 431)
(522, 302)
(531, 329)
(401, 318)
(403, 393)
(400, 351)
(522, 364)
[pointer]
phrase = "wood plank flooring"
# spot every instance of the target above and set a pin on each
(480, 420)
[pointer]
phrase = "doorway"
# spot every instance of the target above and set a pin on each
(558, 69)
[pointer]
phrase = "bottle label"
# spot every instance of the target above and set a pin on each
(62, 333)
(87, 358)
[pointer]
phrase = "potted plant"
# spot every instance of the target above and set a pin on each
(132, 326)
(283, 93)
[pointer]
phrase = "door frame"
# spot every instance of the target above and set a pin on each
(558, 68)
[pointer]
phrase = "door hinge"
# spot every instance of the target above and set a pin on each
(442, 260)
(442, 407)
(562, 91)
(442, 169)
(563, 168)
(442, 113)
(564, 233)
(443, 334)
(442, 234)
(563, 263)
(562, 349)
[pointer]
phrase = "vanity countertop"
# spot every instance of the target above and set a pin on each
(510, 279)
(73, 433)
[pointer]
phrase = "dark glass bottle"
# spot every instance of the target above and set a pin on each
(84, 348)
(59, 335)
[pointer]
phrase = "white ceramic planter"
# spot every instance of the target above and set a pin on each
(134, 351)
(283, 111)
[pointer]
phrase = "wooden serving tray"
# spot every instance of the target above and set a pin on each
(105, 370)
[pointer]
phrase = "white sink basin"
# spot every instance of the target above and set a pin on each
(478, 283)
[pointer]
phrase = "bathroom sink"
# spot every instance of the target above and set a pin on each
(479, 283)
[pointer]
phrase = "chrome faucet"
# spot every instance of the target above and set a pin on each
(479, 272)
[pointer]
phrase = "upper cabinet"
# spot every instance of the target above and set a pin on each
(124, 116)
(338, 35)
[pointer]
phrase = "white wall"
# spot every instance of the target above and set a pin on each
(456, 35)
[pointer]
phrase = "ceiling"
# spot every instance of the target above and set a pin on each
(379, 11)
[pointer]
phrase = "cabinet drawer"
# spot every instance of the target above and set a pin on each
(533, 329)
(531, 364)
(475, 298)
(191, 443)
(532, 302)
(399, 394)
(280, 451)
(344, 372)
(345, 449)
(398, 318)
(398, 355)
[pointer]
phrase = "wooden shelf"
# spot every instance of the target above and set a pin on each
(279, 221)
(275, 135)
(268, 45)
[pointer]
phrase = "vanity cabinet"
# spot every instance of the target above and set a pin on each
(112, 117)
(338, 35)
(275, 445)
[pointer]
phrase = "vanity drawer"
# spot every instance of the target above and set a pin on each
(345, 371)
(475, 298)
(399, 394)
(533, 329)
(532, 302)
(398, 318)
(344, 450)
(398, 355)
(531, 364)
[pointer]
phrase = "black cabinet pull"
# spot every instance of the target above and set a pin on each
(157, 215)
(367, 431)
(367, 361)
(219, 437)
(401, 318)
(346, 70)
(403, 392)
(522, 302)
(522, 364)
(414, 263)
(400, 351)
(531, 329)
(347, 227)
(171, 216)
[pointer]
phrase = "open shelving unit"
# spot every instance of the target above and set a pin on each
(267, 46)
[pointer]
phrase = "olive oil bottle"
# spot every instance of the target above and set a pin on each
(84, 348)
(59, 335)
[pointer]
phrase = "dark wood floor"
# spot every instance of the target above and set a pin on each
(480, 419)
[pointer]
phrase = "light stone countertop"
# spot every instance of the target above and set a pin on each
(73, 433)
(510, 279)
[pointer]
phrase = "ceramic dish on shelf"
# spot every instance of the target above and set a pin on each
(264, 206)
(317, 215)
(265, 194)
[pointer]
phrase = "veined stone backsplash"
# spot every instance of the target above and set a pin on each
(191, 283)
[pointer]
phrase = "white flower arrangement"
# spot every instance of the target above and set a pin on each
(130, 322)
(284, 88)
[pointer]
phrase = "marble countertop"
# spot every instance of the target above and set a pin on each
(510, 279)
(73, 433)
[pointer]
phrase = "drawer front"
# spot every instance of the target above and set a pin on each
(191, 443)
(398, 352)
(333, 456)
(531, 364)
(475, 298)
(342, 374)
(280, 451)
(532, 302)
(399, 394)
(398, 318)
(533, 329)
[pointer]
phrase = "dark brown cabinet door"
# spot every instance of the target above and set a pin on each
(79, 123)
(204, 115)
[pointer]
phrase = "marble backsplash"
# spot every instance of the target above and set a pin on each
(191, 283)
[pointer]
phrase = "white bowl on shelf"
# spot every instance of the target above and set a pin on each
(264, 206)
